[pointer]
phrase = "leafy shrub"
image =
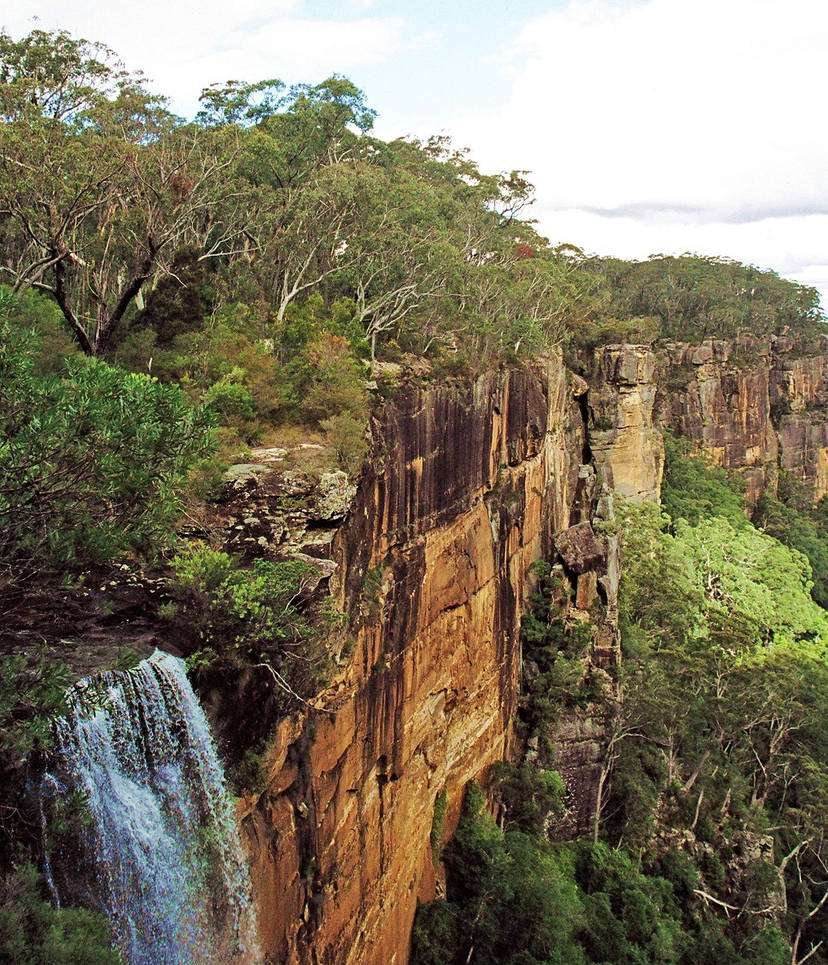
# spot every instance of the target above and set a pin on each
(227, 351)
(32, 692)
(32, 930)
(346, 436)
(434, 936)
(32, 312)
(529, 795)
(508, 899)
(436, 837)
(91, 463)
(229, 397)
(238, 616)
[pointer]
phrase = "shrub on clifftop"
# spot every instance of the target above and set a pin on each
(91, 461)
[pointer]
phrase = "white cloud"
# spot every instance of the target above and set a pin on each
(672, 125)
(186, 45)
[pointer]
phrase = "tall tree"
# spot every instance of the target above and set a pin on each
(99, 183)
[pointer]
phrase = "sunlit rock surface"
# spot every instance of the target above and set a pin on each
(466, 487)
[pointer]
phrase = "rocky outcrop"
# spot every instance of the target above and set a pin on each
(576, 742)
(625, 442)
(277, 506)
(465, 487)
(751, 403)
(580, 549)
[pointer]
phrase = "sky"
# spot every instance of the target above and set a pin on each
(647, 126)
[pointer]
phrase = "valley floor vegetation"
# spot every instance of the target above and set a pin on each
(710, 845)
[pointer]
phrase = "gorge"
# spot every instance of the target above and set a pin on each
(381, 583)
(467, 486)
(479, 481)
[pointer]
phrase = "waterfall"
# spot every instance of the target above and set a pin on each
(153, 841)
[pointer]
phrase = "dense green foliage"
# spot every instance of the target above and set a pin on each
(690, 298)
(91, 461)
(719, 741)
(791, 518)
(32, 692)
(282, 191)
(507, 901)
(33, 930)
(693, 488)
(242, 616)
(516, 898)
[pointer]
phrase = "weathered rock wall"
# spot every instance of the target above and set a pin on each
(465, 488)
(750, 403)
(799, 390)
(717, 394)
(625, 442)
(467, 485)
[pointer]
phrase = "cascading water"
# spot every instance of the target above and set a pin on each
(159, 852)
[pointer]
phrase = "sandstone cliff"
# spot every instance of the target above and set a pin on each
(751, 404)
(465, 487)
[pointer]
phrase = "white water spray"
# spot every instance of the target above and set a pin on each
(160, 854)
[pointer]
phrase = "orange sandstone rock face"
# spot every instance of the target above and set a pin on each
(626, 444)
(747, 402)
(465, 488)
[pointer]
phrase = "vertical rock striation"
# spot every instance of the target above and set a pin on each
(799, 389)
(466, 486)
(717, 394)
(751, 403)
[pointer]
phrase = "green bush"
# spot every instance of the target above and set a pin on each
(346, 436)
(52, 344)
(230, 398)
(34, 931)
(437, 825)
(32, 693)
(92, 463)
(238, 616)
(529, 795)
(508, 899)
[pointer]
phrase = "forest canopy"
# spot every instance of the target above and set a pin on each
(276, 194)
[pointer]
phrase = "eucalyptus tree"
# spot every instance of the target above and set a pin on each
(300, 150)
(99, 183)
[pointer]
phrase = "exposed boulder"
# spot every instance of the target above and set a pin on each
(580, 548)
